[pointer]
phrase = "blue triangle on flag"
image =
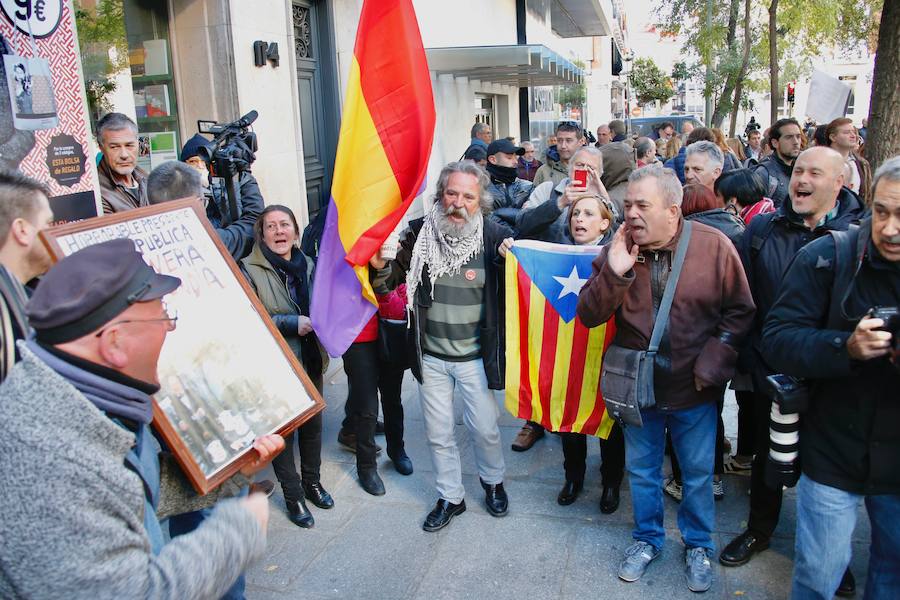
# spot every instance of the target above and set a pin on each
(558, 271)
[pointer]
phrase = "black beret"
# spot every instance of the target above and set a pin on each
(91, 287)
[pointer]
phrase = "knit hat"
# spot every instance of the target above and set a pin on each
(192, 147)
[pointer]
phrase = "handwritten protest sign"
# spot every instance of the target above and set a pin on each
(227, 375)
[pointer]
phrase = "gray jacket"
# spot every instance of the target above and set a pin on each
(71, 523)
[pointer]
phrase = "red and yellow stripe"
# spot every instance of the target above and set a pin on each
(552, 367)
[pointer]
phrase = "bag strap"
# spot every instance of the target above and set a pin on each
(662, 316)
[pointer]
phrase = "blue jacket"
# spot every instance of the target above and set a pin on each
(677, 163)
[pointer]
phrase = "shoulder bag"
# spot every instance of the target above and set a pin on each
(626, 378)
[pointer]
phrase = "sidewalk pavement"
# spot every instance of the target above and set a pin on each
(374, 547)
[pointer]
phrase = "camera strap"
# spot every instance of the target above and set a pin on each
(662, 315)
(849, 254)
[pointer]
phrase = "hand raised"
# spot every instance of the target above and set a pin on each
(620, 258)
(570, 195)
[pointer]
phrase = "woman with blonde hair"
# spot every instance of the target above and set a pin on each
(731, 161)
(672, 147)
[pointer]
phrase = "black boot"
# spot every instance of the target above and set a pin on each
(569, 492)
(316, 494)
(299, 514)
(401, 462)
(609, 499)
(495, 499)
(371, 482)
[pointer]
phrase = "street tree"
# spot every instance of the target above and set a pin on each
(883, 140)
(649, 82)
(785, 34)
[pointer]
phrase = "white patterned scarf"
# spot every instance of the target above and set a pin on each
(442, 253)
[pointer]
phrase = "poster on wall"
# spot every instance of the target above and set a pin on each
(221, 387)
(44, 129)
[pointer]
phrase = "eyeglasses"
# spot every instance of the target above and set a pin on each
(170, 318)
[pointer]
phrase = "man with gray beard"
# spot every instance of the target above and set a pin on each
(450, 264)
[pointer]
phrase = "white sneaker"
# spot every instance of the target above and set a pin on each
(673, 489)
(637, 557)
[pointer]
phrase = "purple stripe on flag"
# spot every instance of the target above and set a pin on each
(338, 309)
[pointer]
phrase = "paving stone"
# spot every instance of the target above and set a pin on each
(380, 553)
(519, 557)
(373, 547)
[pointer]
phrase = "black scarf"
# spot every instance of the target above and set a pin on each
(293, 273)
(502, 174)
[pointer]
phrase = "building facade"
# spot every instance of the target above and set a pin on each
(506, 62)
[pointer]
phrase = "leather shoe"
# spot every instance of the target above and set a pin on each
(526, 437)
(442, 513)
(316, 494)
(741, 549)
(569, 492)
(299, 514)
(371, 482)
(847, 588)
(609, 499)
(402, 463)
(264, 486)
(495, 498)
(348, 441)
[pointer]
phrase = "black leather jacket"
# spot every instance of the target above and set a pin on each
(508, 200)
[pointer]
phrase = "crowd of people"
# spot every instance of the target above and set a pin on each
(781, 259)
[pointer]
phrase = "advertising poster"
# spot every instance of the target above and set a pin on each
(43, 114)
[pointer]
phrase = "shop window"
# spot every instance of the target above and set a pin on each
(127, 59)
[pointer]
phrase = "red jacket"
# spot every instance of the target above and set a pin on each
(711, 313)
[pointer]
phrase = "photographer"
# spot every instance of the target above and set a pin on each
(817, 203)
(237, 236)
(822, 328)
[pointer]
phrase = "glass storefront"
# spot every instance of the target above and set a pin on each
(127, 60)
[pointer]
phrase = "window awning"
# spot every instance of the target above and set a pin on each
(580, 18)
(518, 66)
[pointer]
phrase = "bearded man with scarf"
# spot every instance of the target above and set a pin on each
(508, 191)
(453, 272)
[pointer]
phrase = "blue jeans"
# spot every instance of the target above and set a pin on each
(826, 517)
(693, 433)
(440, 380)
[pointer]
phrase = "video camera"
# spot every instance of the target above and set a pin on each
(231, 151)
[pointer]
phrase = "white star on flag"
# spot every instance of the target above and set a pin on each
(571, 284)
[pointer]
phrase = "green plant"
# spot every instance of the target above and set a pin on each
(649, 82)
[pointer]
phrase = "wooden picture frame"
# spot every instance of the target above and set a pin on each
(227, 374)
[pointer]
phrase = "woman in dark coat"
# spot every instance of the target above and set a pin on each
(282, 277)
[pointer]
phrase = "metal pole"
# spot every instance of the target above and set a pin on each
(709, 101)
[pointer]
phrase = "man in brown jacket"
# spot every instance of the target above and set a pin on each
(711, 312)
(123, 185)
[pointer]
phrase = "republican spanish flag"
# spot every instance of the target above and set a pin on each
(386, 133)
(553, 360)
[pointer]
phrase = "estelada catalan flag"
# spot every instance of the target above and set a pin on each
(386, 133)
(552, 360)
